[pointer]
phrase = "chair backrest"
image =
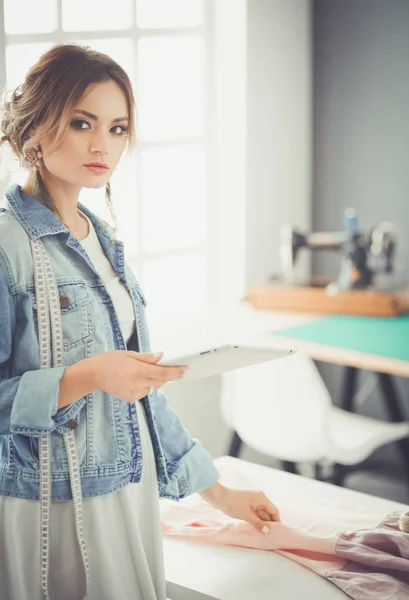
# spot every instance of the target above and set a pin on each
(279, 407)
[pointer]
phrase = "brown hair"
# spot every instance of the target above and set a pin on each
(44, 102)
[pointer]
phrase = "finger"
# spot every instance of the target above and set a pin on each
(273, 511)
(264, 515)
(148, 357)
(258, 524)
(154, 384)
(158, 372)
(269, 508)
(152, 387)
(145, 392)
(164, 374)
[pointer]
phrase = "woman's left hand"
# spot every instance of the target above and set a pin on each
(251, 506)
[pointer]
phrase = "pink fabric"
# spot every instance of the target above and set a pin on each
(201, 523)
(360, 551)
(307, 533)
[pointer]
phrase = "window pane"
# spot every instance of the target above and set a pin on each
(163, 13)
(19, 59)
(173, 196)
(93, 15)
(125, 203)
(171, 88)
(10, 171)
(21, 16)
(176, 281)
(122, 51)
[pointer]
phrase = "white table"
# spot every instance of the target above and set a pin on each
(227, 573)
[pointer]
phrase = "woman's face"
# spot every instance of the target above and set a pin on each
(97, 133)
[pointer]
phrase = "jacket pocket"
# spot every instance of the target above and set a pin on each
(76, 315)
(22, 455)
(28, 451)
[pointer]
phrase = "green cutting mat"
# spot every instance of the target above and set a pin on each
(386, 337)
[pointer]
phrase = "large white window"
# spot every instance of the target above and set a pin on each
(161, 194)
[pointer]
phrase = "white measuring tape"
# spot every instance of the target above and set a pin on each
(51, 355)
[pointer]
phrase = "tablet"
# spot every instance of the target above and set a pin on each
(214, 361)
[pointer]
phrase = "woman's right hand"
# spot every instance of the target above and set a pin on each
(130, 375)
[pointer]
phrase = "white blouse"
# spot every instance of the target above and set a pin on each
(116, 289)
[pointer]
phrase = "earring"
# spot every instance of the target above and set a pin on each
(33, 157)
(40, 155)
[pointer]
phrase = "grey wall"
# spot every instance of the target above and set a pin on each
(361, 113)
(361, 130)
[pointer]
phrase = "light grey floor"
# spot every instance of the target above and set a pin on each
(384, 486)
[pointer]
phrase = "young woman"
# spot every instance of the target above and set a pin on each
(87, 443)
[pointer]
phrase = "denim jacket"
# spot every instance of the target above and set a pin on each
(106, 427)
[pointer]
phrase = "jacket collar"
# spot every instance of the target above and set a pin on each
(39, 221)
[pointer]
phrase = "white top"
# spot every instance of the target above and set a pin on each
(116, 289)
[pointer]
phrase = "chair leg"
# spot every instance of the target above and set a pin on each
(348, 388)
(338, 474)
(318, 475)
(396, 415)
(235, 445)
(289, 466)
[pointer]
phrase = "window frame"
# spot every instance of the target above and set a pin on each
(207, 140)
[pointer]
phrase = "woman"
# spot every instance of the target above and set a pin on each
(88, 439)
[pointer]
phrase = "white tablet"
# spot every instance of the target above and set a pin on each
(214, 361)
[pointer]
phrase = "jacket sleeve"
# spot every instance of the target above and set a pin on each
(28, 403)
(194, 467)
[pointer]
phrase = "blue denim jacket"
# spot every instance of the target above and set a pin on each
(107, 430)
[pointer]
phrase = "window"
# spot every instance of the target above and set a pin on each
(162, 195)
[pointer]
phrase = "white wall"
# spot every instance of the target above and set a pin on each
(279, 125)
(277, 163)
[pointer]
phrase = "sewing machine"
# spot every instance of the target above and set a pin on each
(362, 255)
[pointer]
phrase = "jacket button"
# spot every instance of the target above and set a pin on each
(64, 301)
(72, 423)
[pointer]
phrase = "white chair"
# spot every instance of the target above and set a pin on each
(283, 409)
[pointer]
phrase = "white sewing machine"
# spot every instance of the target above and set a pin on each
(199, 572)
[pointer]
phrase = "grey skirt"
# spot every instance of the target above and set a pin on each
(123, 538)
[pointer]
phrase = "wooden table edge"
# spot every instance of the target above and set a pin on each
(345, 356)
